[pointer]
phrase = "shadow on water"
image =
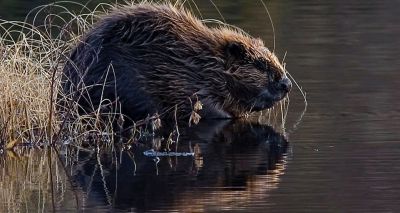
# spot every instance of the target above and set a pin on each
(235, 163)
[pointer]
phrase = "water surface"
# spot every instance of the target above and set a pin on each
(343, 157)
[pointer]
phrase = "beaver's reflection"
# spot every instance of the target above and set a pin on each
(231, 157)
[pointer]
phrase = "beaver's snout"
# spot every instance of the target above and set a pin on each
(270, 95)
(280, 89)
(285, 85)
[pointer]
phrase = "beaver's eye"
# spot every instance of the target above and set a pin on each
(271, 74)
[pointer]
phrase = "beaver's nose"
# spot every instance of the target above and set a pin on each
(285, 84)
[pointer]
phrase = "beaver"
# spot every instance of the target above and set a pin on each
(149, 58)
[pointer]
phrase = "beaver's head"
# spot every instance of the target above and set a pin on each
(253, 76)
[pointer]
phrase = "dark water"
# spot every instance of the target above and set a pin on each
(343, 157)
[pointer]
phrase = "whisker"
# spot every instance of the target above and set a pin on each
(219, 12)
(272, 23)
(298, 121)
(197, 8)
(284, 57)
(298, 86)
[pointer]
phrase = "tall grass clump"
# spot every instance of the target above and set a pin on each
(26, 62)
(32, 53)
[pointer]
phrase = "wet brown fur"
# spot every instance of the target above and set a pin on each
(153, 57)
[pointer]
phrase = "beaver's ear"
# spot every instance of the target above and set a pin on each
(234, 51)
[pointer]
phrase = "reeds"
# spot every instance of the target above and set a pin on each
(31, 57)
(25, 61)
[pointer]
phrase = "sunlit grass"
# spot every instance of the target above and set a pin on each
(31, 57)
